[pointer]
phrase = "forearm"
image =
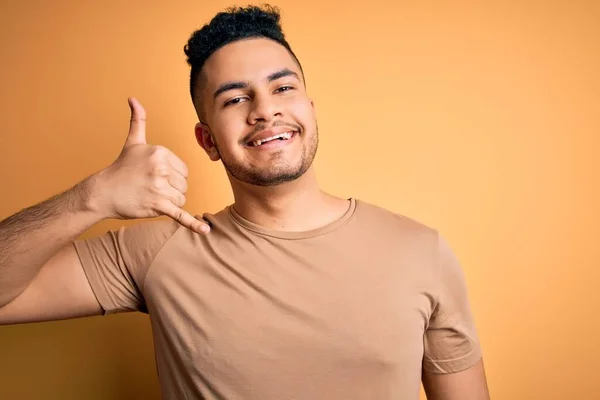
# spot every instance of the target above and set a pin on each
(29, 238)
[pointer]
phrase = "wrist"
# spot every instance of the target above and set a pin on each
(91, 195)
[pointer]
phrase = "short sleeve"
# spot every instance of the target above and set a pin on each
(116, 263)
(451, 343)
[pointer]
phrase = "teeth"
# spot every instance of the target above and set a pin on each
(284, 136)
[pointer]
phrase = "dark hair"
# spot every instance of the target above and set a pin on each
(236, 23)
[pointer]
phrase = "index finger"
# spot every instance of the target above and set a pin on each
(184, 218)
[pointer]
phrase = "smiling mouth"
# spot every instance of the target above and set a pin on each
(279, 137)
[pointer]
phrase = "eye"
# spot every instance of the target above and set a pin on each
(234, 101)
(284, 89)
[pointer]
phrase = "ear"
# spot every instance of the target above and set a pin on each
(205, 140)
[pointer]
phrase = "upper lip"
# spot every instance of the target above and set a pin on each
(268, 133)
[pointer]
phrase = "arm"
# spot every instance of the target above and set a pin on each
(60, 290)
(469, 384)
(41, 277)
(452, 363)
(32, 237)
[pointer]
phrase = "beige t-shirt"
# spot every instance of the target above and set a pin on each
(353, 310)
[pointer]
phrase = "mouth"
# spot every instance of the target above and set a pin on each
(272, 141)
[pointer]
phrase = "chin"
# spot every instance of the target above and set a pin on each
(270, 179)
(265, 177)
(276, 180)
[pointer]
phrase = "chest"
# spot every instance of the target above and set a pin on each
(298, 309)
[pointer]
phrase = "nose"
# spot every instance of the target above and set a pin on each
(264, 109)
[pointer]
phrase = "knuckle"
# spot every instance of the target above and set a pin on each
(181, 185)
(158, 149)
(186, 171)
(158, 152)
(156, 183)
(163, 204)
(178, 199)
(159, 188)
(178, 215)
(160, 170)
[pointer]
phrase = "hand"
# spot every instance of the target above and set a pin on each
(146, 181)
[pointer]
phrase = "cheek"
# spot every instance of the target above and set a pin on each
(228, 131)
(304, 113)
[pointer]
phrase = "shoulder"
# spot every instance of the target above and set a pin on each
(397, 232)
(148, 232)
(137, 241)
(163, 229)
(373, 217)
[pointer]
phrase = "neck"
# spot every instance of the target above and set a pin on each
(293, 206)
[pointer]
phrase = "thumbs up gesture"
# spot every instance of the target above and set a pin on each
(146, 181)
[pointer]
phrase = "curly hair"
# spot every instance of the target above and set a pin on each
(236, 23)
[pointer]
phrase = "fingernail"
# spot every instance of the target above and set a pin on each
(205, 228)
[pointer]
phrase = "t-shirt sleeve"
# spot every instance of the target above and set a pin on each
(116, 263)
(451, 343)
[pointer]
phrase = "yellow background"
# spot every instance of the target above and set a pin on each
(480, 119)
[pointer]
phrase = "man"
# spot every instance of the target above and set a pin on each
(289, 293)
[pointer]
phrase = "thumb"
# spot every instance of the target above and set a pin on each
(137, 124)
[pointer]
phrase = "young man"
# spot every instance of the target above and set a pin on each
(289, 293)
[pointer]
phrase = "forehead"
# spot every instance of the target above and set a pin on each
(247, 60)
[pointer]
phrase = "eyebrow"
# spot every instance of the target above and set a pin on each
(243, 85)
(282, 74)
(230, 86)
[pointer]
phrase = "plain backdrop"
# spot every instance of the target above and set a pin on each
(481, 119)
